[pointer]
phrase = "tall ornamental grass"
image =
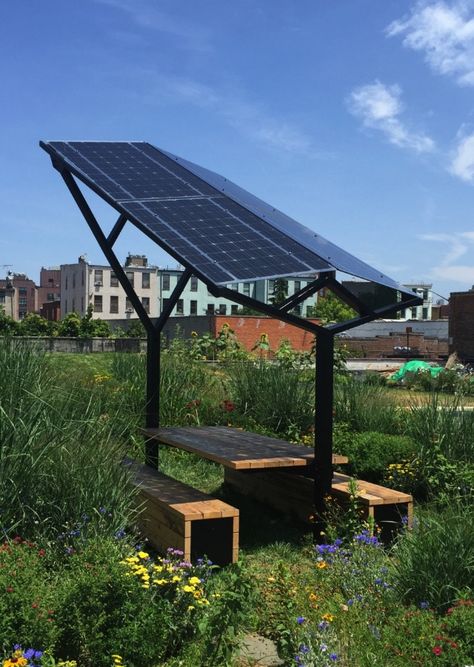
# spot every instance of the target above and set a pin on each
(60, 450)
(365, 406)
(272, 395)
(434, 562)
(443, 420)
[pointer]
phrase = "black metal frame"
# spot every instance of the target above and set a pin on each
(323, 424)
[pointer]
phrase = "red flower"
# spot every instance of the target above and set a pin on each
(41, 553)
(9, 589)
(228, 406)
(437, 650)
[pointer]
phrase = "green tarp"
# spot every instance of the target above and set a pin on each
(416, 366)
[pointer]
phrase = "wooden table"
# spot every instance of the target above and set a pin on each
(236, 449)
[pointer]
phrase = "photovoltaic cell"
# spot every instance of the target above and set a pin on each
(201, 218)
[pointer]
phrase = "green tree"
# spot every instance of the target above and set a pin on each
(136, 330)
(35, 325)
(8, 326)
(90, 328)
(280, 291)
(330, 308)
(70, 326)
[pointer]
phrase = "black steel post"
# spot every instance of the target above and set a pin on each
(323, 427)
(152, 415)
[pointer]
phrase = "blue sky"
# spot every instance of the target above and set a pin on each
(355, 117)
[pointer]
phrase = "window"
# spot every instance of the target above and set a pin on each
(22, 301)
(180, 306)
(271, 286)
(164, 303)
(114, 304)
(74, 280)
(297, 285)
(194, 284)
(22, 291)
(210, 309)
(425, 313)
(166, 282)
(98, 277)
(113, 280)
(65, 306)
(97, 303)
(146, 303)
(73, 305)
(193, 307)
(50, 296)
(309, 311)
(425, 295)
(66, 282)
(145, 280)
(130, 275)
(234, 309)
(413, 313)
(222, 309)
(247, 289)
(128, 304)
(297, 309)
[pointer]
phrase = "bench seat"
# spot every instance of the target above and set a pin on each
(293, 494)
(176, 515)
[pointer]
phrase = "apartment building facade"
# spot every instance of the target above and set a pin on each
(24, 299)
(197, 300)
(83, 284)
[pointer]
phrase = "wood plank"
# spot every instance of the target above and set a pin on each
(236, 449)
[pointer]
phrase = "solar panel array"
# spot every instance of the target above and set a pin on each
(202, 219)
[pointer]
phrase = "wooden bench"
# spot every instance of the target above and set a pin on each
(293, 494)
(176, 515)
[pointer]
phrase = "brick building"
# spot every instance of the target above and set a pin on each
(461, 324)
(25, 298)
(49, 292)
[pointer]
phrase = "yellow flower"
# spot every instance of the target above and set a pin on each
(160, 582)
(194, 581)
(143, 555)
(313, 597)
(191, 607)
(327, 617)
(176, 578)
(188, 589)
(321, 564)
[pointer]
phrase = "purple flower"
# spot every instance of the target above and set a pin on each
(350, 602)
(333, 657)
(424, 605)
(300, 620)
(303, 648)
(324, 625)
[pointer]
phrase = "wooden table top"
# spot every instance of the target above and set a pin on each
(236, 449)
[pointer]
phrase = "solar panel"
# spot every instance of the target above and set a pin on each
(205, 221)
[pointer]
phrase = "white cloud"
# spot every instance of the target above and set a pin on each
(143, 14)
(458, 244)
(444, 33)
(379, 107)
(462, 164)
(248, 117)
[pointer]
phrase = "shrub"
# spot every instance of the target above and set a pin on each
(370, 453)
(106, 599)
